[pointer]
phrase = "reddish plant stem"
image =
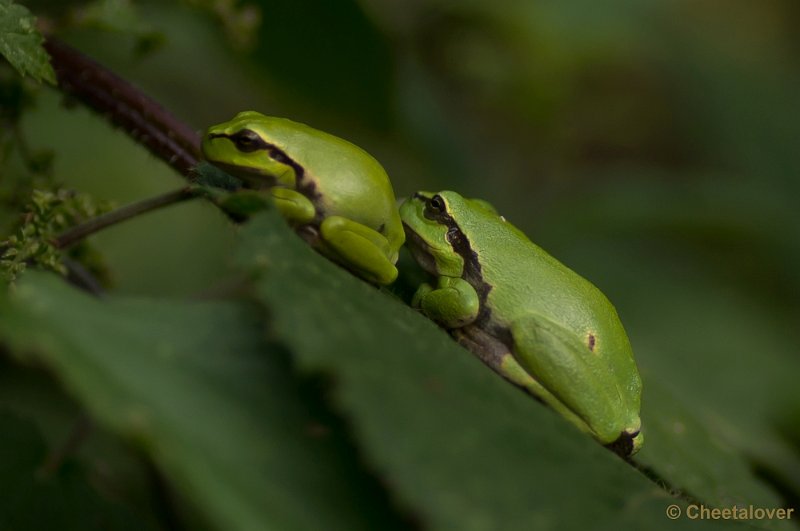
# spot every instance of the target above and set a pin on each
(144, 120)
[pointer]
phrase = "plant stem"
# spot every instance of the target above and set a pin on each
(142, 118)
(79, 232)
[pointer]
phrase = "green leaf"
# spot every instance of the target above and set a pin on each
(220, 411)
(682, 448)
(21, 44)
(200, 389)
(33, 500)
(461, 447)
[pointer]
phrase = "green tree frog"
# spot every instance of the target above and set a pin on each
(334, 193)
(529, 317)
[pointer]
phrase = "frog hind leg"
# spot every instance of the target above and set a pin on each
(575, 378)
(361, 249)
(499, 358)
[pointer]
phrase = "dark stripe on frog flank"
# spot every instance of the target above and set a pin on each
(471, 273)
(303, 183)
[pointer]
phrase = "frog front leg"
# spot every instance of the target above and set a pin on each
(453, 303)
(361, 249)
(296, 208)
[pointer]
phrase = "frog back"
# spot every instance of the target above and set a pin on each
(520, 278)
(339, 177)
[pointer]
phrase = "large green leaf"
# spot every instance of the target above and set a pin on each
(215, 405)
(219, 410)
(462, 447)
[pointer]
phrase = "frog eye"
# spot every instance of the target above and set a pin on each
(247, 141)
(434, 207)
(436, 204)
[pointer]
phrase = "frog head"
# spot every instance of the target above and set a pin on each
(254, 148)
(434, 238)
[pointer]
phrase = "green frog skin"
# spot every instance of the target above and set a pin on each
(334, 193)
(533, 320)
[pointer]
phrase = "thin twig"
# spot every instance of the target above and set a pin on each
(96, 224)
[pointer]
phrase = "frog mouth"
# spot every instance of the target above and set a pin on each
(420, 250)
(251, 177)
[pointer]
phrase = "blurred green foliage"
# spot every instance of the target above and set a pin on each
(651, 146)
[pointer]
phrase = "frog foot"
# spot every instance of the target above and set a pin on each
(363, 250)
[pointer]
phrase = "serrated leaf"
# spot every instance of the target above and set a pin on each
(461, 447)
(212, 402)
(457, 445)
(21, 43)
